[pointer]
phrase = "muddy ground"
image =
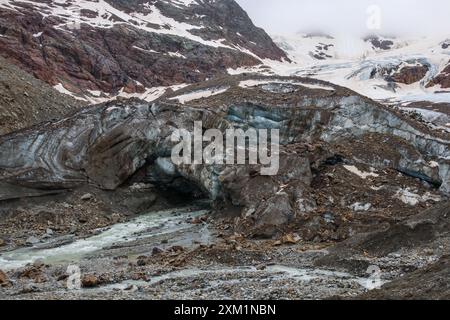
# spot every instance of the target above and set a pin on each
(188, 251)
(371, 228)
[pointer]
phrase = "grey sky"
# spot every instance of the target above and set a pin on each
(418, 17)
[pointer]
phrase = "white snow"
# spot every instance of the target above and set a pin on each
(433, 164)
(176, 55)
(255, 83)
(95, 93)
(199, 94)
(185, 3)
(96, 96)
(316, 86)
(171, 54)
(145, 50)
(352, 60)
(361, 174)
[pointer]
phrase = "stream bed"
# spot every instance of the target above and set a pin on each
(287, 276)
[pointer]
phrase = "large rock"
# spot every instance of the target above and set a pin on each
(105, 145)
(26, 101)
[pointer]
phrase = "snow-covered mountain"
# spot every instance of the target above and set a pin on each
(101, 48)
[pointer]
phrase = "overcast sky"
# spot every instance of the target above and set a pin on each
(417, 17)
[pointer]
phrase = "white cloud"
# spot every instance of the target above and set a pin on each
(414, 17)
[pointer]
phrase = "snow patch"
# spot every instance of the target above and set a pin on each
(433, 164)
(199, 94)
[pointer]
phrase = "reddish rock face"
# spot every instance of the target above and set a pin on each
(161, 44)
(410, 74)
(26, 101)
(442, 79)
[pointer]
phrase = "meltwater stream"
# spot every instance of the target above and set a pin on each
(145, 226)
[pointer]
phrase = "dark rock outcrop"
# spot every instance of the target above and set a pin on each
(105, 145)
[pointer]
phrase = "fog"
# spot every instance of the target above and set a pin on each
(352, 17)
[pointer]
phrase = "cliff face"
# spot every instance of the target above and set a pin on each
(321, 126)
(115, 46)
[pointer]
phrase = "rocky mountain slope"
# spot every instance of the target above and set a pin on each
(99, 49)
(391, 64)
(319, 124)
(26, 101)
